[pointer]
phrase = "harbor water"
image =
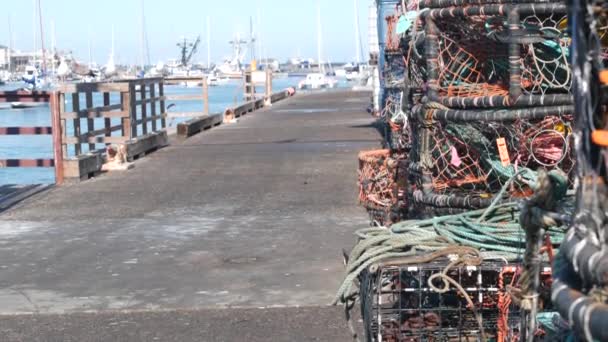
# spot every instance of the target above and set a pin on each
(33, 147)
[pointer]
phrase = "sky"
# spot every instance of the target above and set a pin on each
(286, 27)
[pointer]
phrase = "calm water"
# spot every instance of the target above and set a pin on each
(31, 147)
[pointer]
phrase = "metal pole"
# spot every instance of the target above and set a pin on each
(55, 105)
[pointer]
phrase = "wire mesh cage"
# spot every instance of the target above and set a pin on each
(398, 303)
(381, 189)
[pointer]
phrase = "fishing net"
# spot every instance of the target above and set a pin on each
(480, 158)
(473, 55)
(381, 185)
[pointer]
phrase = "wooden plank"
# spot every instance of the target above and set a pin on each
(107, 122)
(99, 87)
(95, 140)
(161, 94)
(108, 111)
(146, 143)
(148, 119)
(125, 100)
(133, 110)
(184, 97)
(24, 96)
(83, 166)
(105, 131)
(58, 155)
(196, 125)
(140, 81)
(185, 114)
(144, 109)
(90, 122)
(26, 130)
(76, 108)
(148, 100)
(153, 105)
(64, 130)
(26, 163)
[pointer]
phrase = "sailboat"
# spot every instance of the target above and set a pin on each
(318, 80)
(110, 68)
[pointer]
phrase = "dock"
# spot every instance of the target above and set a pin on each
(232, 234)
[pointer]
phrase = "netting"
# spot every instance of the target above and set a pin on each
(480, 158)
(382, 186)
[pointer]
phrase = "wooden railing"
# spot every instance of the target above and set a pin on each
(134, 108)
(57, 160)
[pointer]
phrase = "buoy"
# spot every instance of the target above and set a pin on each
(600, 137)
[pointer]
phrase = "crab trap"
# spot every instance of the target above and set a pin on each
(398, 303)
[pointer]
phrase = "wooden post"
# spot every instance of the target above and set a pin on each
(55, 105)
(132, 111)
(64, 130)
(90, 122)
(205, 95)
(125, 99)
(161, 93)
(107, 122)
(76, 109)
(268, 89)
(153, 105)
(144, 109)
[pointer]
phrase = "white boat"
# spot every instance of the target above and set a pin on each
(317, 80)
(214, 81)
(110, 68)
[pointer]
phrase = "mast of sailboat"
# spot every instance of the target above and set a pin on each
(208, 43)
(10, 43)
(35, 11)
(319, 37)
(357, 35)
(259, 37)
(42, 38)
(142, 37)
(53, 46)
(90, 50)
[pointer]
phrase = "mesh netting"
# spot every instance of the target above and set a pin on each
(381, 185)
(479, 158)
(474, 56)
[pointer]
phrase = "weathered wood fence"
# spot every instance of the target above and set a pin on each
(87, 117)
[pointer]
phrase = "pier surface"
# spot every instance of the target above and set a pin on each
(233, 234)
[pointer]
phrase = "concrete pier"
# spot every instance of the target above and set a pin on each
(233, 234)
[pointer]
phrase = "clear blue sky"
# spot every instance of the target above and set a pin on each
(286, 26)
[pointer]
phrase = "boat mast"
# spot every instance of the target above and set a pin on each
(357, 35)
(208, 43)
(35, 14)
(42, 38)
(10, 43)
(53, 46)
(319, 37)
(259, 37)
(90, 50)
(142, 37)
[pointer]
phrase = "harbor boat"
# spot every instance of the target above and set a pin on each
(26, 105)
(214, 81)
(317, 80)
